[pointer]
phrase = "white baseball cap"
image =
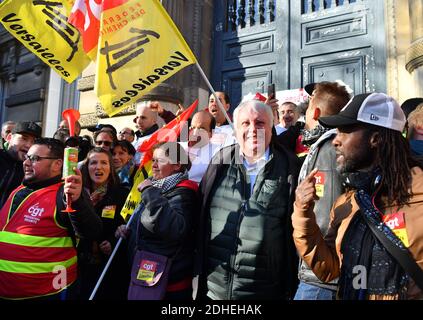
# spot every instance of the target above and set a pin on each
(375, 108)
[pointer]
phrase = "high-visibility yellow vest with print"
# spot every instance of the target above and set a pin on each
(37, 255)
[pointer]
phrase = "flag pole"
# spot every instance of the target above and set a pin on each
(219, 103)
(108, 263)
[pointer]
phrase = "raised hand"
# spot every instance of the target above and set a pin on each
(305, 195)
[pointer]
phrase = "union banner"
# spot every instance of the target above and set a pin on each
(42, 27)
(139, 47)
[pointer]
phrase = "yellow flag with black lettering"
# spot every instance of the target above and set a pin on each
(139, 48)
(42, 27)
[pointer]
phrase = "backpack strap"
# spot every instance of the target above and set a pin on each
(401, 253)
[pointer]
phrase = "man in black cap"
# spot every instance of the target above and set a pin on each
(19, 140)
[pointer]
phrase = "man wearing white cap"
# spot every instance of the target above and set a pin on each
(375, 239)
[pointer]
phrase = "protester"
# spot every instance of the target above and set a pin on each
(288, 114)
(104, 139)
(6, 128)
(107, 197)
(166, 115)
(62, 133)
(37, 250)
(126, 134)
(223, 133)
(409, 105)
(64, 124)
(163, 223)
(146, 121)
(415, 132)
(378, 217)
(328, 98)
(245, 247)
(200, 149)
(11, 160)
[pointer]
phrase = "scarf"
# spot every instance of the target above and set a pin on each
(417, 146)
(125, 173)
(311, 136)
(365, 257)
(170, 182)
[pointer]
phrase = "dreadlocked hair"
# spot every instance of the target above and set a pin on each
(395, 162)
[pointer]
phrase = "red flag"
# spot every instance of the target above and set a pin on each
(170, 132)
(86, 17)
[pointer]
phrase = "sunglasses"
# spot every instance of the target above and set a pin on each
(106, 143)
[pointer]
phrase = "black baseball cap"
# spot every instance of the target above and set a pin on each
(375, 108)
(309, 88)
(28, 127)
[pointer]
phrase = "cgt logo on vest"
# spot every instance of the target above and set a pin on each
(35, 213)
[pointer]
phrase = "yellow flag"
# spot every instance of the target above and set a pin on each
(139, 48)
(134, 196)
(41, 26)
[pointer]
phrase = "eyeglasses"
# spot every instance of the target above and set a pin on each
(106, 143)
(34, 158)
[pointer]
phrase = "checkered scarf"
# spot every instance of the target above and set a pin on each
(170, 182)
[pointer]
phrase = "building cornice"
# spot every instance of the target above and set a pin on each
(414, 56)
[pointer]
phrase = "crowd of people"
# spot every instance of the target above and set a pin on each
(318, 201)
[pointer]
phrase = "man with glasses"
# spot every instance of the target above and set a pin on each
(126, 134)
(37, 239)
(11, 171)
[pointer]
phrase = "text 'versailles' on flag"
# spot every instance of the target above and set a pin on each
(42, 27)
(139, 48)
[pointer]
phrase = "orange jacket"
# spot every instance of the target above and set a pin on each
(324, 256)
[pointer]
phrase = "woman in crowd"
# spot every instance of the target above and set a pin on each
(108, 198)
(163, 222)
(123, 154)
